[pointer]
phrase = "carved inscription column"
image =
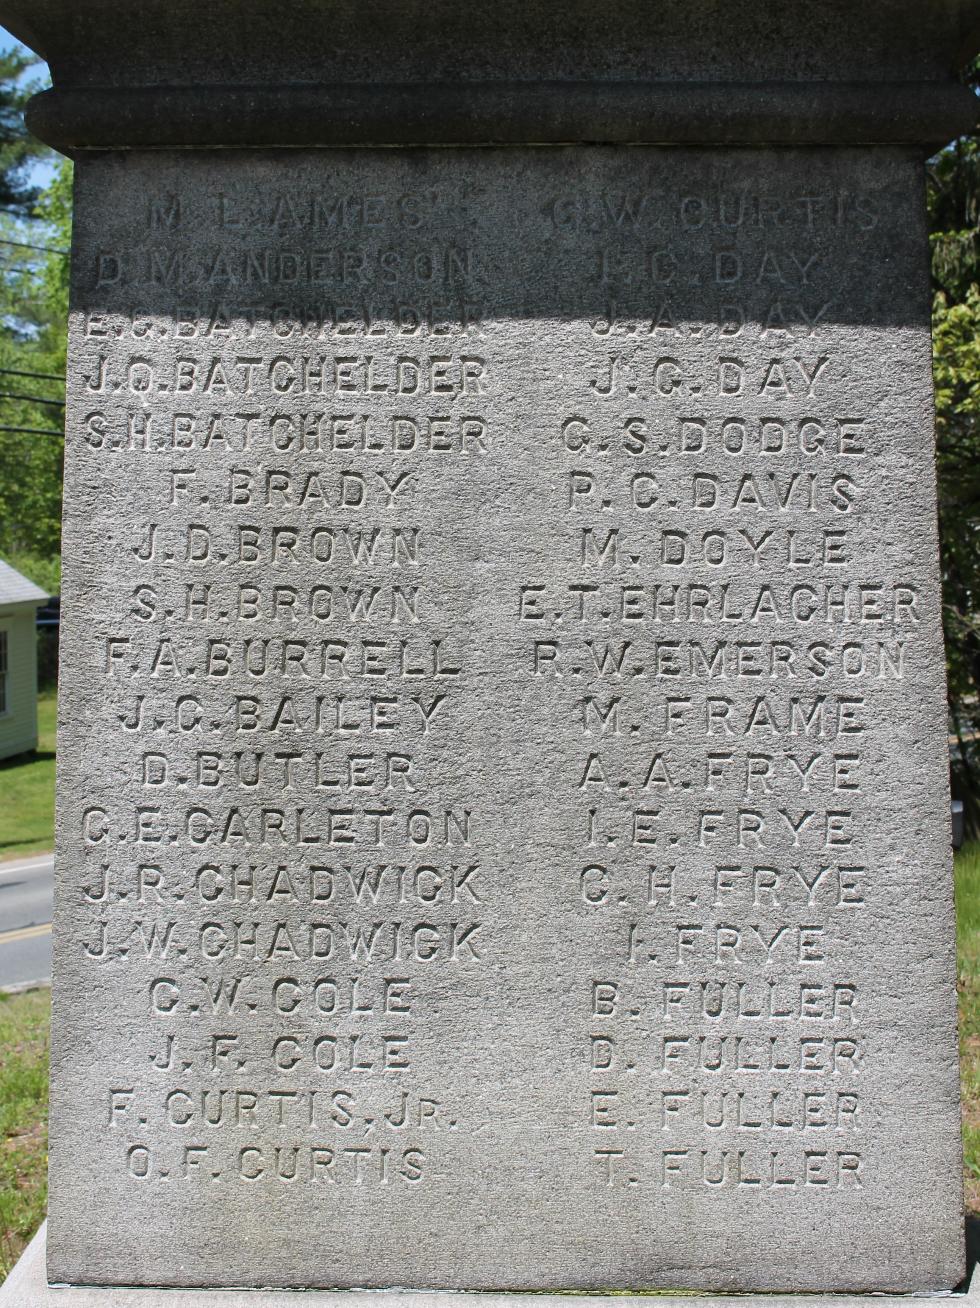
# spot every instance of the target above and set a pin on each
(503, 819)
(501, 661)
(287, 857)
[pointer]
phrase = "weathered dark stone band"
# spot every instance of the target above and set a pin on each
(507, 113)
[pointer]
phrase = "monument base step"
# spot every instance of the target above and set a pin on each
(27, 1287)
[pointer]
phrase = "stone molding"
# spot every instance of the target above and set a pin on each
(176, 74)
(27, 1287)
(502, 113)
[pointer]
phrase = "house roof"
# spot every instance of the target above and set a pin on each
(16, 589)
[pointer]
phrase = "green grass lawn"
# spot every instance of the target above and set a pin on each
(27, 791)
(23, 1120)
(968, 952)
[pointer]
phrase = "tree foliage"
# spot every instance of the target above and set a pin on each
(34, 231)
(954, 215)
(18, 149)
(33, 330)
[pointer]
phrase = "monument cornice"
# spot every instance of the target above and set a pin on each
(502, 113)
(151, 74)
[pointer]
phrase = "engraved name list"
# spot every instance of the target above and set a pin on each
(498, 631)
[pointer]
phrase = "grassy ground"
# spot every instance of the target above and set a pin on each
(27, 788)
(23, 1120)
(968, 949)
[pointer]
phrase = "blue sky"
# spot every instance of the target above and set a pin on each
(7, 42)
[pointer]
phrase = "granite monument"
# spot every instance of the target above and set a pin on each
(503, 835)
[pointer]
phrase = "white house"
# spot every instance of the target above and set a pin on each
(19, 601)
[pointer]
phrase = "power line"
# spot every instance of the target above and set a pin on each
(45, 249)
(35, 431)
(34, 399)
(21, 266)
(40, 376)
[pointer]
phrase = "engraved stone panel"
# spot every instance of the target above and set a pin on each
(503, 804)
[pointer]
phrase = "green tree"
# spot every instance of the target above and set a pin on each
(954, 213)
(33, 333)
(34, 229)
(18, 149)
(54, 209)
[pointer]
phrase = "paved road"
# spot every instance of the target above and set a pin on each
(26, 890)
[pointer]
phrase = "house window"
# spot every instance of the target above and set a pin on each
(3, 672)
